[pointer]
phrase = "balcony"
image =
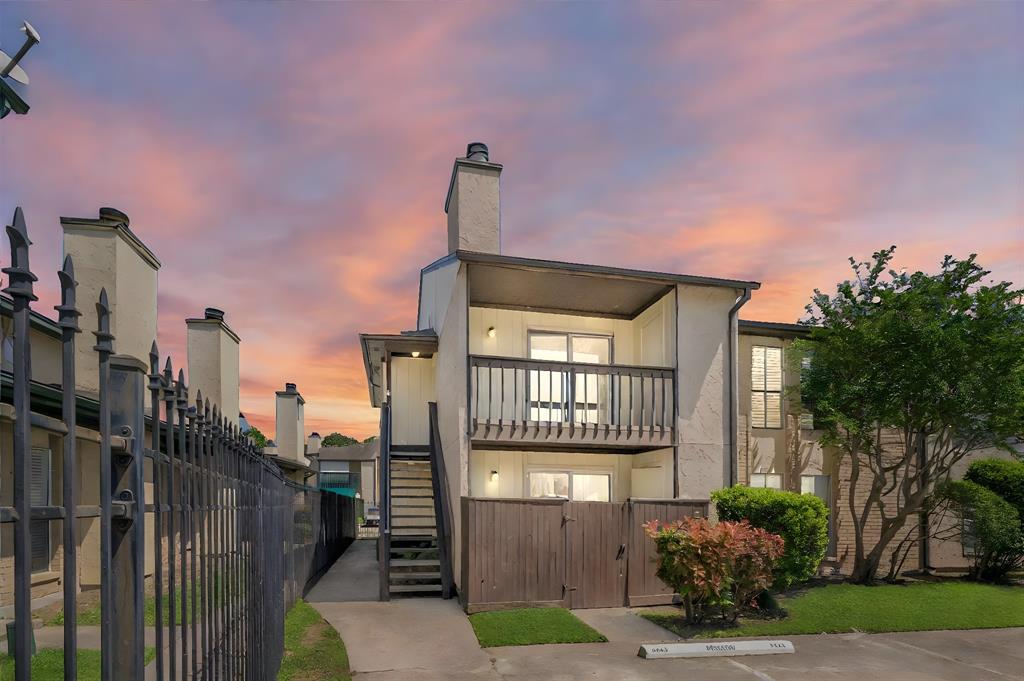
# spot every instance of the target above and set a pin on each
(527, 402)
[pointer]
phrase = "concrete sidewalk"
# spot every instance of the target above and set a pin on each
(353, 577)
(428, 639)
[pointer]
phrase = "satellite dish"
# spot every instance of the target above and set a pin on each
(17, 73)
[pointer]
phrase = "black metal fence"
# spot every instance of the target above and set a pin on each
(234, 542)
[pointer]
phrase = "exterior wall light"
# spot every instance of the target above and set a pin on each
(494, 476)
(415, 353)
(491, 333)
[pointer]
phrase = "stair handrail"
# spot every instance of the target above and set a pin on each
(384, 534)
(442, 504)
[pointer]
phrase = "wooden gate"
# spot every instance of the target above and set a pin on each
(519, 552)
(597, 541)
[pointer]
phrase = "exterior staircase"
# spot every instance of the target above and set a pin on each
(414, 566)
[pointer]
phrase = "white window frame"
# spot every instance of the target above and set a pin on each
(765, 475)
(763, 389)
(571, 472)
(564, 409)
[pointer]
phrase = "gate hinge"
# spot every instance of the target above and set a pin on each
(123, 507)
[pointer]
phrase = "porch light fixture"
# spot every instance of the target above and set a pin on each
(491, 333)
(415, 354)
(494, 476)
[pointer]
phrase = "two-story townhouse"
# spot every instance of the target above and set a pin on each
(557, 379)
(584, 383)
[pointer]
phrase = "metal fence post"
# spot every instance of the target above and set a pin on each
(128, 538)
(20, 289)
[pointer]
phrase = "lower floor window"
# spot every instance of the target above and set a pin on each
(821, 487)
(570, 485)
(770, 480)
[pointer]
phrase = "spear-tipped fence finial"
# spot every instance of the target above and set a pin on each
(68, 313)
(181, 391)
(104, 339)
(19, 275)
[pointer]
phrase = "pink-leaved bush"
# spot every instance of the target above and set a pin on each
(721, 566)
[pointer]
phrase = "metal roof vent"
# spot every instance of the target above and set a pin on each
(477, 151)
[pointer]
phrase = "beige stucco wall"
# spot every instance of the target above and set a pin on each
(46, 353)
(213, 366)
(435, 294)
(452, 424)
(474, 218)
(104, 257)
(702, 387)
(412, 387)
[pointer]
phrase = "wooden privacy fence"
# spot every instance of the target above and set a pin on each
(576, 554)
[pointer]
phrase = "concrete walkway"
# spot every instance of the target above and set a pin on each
(354, 577)
(428, 639)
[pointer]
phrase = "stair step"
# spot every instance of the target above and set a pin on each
(400, 492)
(397, 483)
(412, 502)
(405, 576)
(415, 562)
(403, 550)
(407, 532)
(410, 456)
(412, 588)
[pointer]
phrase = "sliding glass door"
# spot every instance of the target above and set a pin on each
(556, 394)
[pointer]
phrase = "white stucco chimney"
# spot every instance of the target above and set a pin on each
(108, 255)
(313, 444)
(473, 203)
(290, 424)
(213, 361)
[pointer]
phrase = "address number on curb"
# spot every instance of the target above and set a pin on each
(654, 651)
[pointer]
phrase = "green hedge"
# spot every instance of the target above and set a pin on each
(992, 523)
(1002, 476)
(800, 519)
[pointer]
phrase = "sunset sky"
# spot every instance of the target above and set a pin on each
(288, 163)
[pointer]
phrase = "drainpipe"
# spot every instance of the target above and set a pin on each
(734, 383)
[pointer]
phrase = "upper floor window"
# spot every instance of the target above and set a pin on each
(766, 387)
(553, 395)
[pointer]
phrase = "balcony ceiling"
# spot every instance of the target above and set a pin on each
(564, 292)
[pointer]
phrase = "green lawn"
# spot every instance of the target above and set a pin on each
(48, 665)
(531, 626)
(313, 651)
(840, 608)
(89, 615)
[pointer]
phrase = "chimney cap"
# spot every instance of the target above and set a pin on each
(315, 434)
(477, 151)
(214, 313)
(290, 387)
(114, 215)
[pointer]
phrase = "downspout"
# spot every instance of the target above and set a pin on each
(734, 384)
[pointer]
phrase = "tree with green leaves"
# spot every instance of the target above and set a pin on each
(338, 440)
(907, 374)
(258, 438)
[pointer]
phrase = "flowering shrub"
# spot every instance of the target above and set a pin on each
(723, 566)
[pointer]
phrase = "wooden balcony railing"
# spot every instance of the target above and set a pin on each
(566, 402)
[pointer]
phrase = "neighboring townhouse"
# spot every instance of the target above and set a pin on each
(350, 470)
(108, 255)
(587, 383)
